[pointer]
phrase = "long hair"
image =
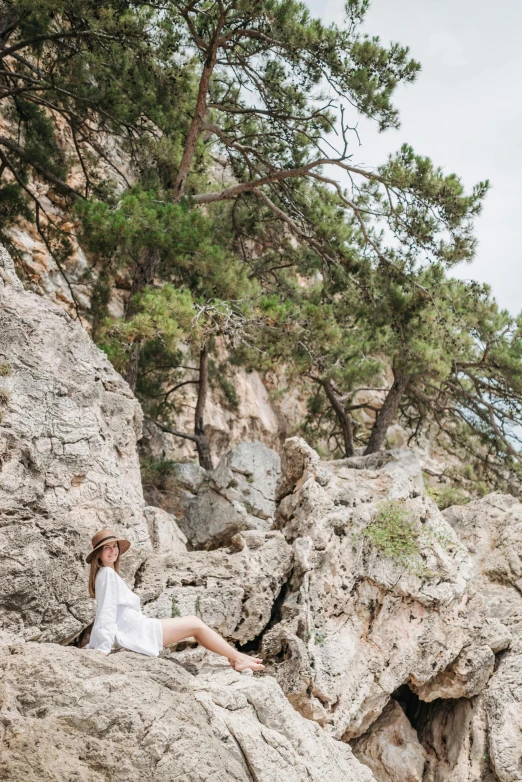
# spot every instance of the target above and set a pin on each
(96, 564)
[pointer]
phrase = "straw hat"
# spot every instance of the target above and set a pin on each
(106, 536)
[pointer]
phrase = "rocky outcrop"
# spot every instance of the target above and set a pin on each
(391, 748)
(165, 535)
(233, 592)
(360, 619)
(385, 623)
(240, 496)
(72, 714)
(455, 736)
(68, 465)
(355, 624)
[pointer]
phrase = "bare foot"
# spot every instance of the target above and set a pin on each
(243, 661)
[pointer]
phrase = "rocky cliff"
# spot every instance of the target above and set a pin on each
(391, 631)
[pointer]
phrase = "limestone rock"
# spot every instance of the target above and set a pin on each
(466, 677)
(355, 624)
(190, 475)
(166, 536)
(455, 736)
(503, 705)
(258, 416)
(240, 496)
(232, 592)
(278, 744)
(73, 714)
(391, 748)
(68, 465)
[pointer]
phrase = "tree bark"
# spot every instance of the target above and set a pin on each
(143, 276)
(202, 445)
(342, 416)
(197, 120)
(386, 414)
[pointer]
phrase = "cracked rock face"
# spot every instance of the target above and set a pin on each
(73, 714)
(68, 465)
(354, 624)
(233, 592)
(391, 748)
(240, 496)
(455, 736)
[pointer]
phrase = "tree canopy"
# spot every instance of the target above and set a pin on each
(236, 209)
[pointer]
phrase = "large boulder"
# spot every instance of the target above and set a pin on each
(73, 714)
(239, 496)
(232, 591)
(68, 465)
(358, 622)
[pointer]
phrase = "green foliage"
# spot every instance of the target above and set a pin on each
(5, 370)
(393, 532)
(446, 496)
(334, 286)
(174, 612)
(222, 375)
(13, 205)
(155, 473)
(229, 391)
(193, 254)
(165, 314)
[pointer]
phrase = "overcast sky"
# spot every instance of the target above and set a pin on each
(464, 111)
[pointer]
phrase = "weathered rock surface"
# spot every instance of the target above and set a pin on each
(455, 736)
(240, 496)
(355, 625)
(391, 748)
(73, 714)
(415, 659)
(165, 535)
(68, 465)
(232, 592)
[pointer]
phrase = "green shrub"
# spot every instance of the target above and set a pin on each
(5, 370)
(229, 391)
(393, 532)
(446, 496)
(155, 472)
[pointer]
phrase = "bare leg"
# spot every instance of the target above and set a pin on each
(179, 628)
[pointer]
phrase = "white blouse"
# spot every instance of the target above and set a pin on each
(119, 620)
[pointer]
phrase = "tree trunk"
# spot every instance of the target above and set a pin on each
(386, 415)
(143, 276)
(342, 416)
(203, 448)
(197, 121)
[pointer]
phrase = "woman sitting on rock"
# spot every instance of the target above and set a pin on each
(120, 623)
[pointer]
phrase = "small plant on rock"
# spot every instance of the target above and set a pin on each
(396, 535)
(446, 496)
(5, 370)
